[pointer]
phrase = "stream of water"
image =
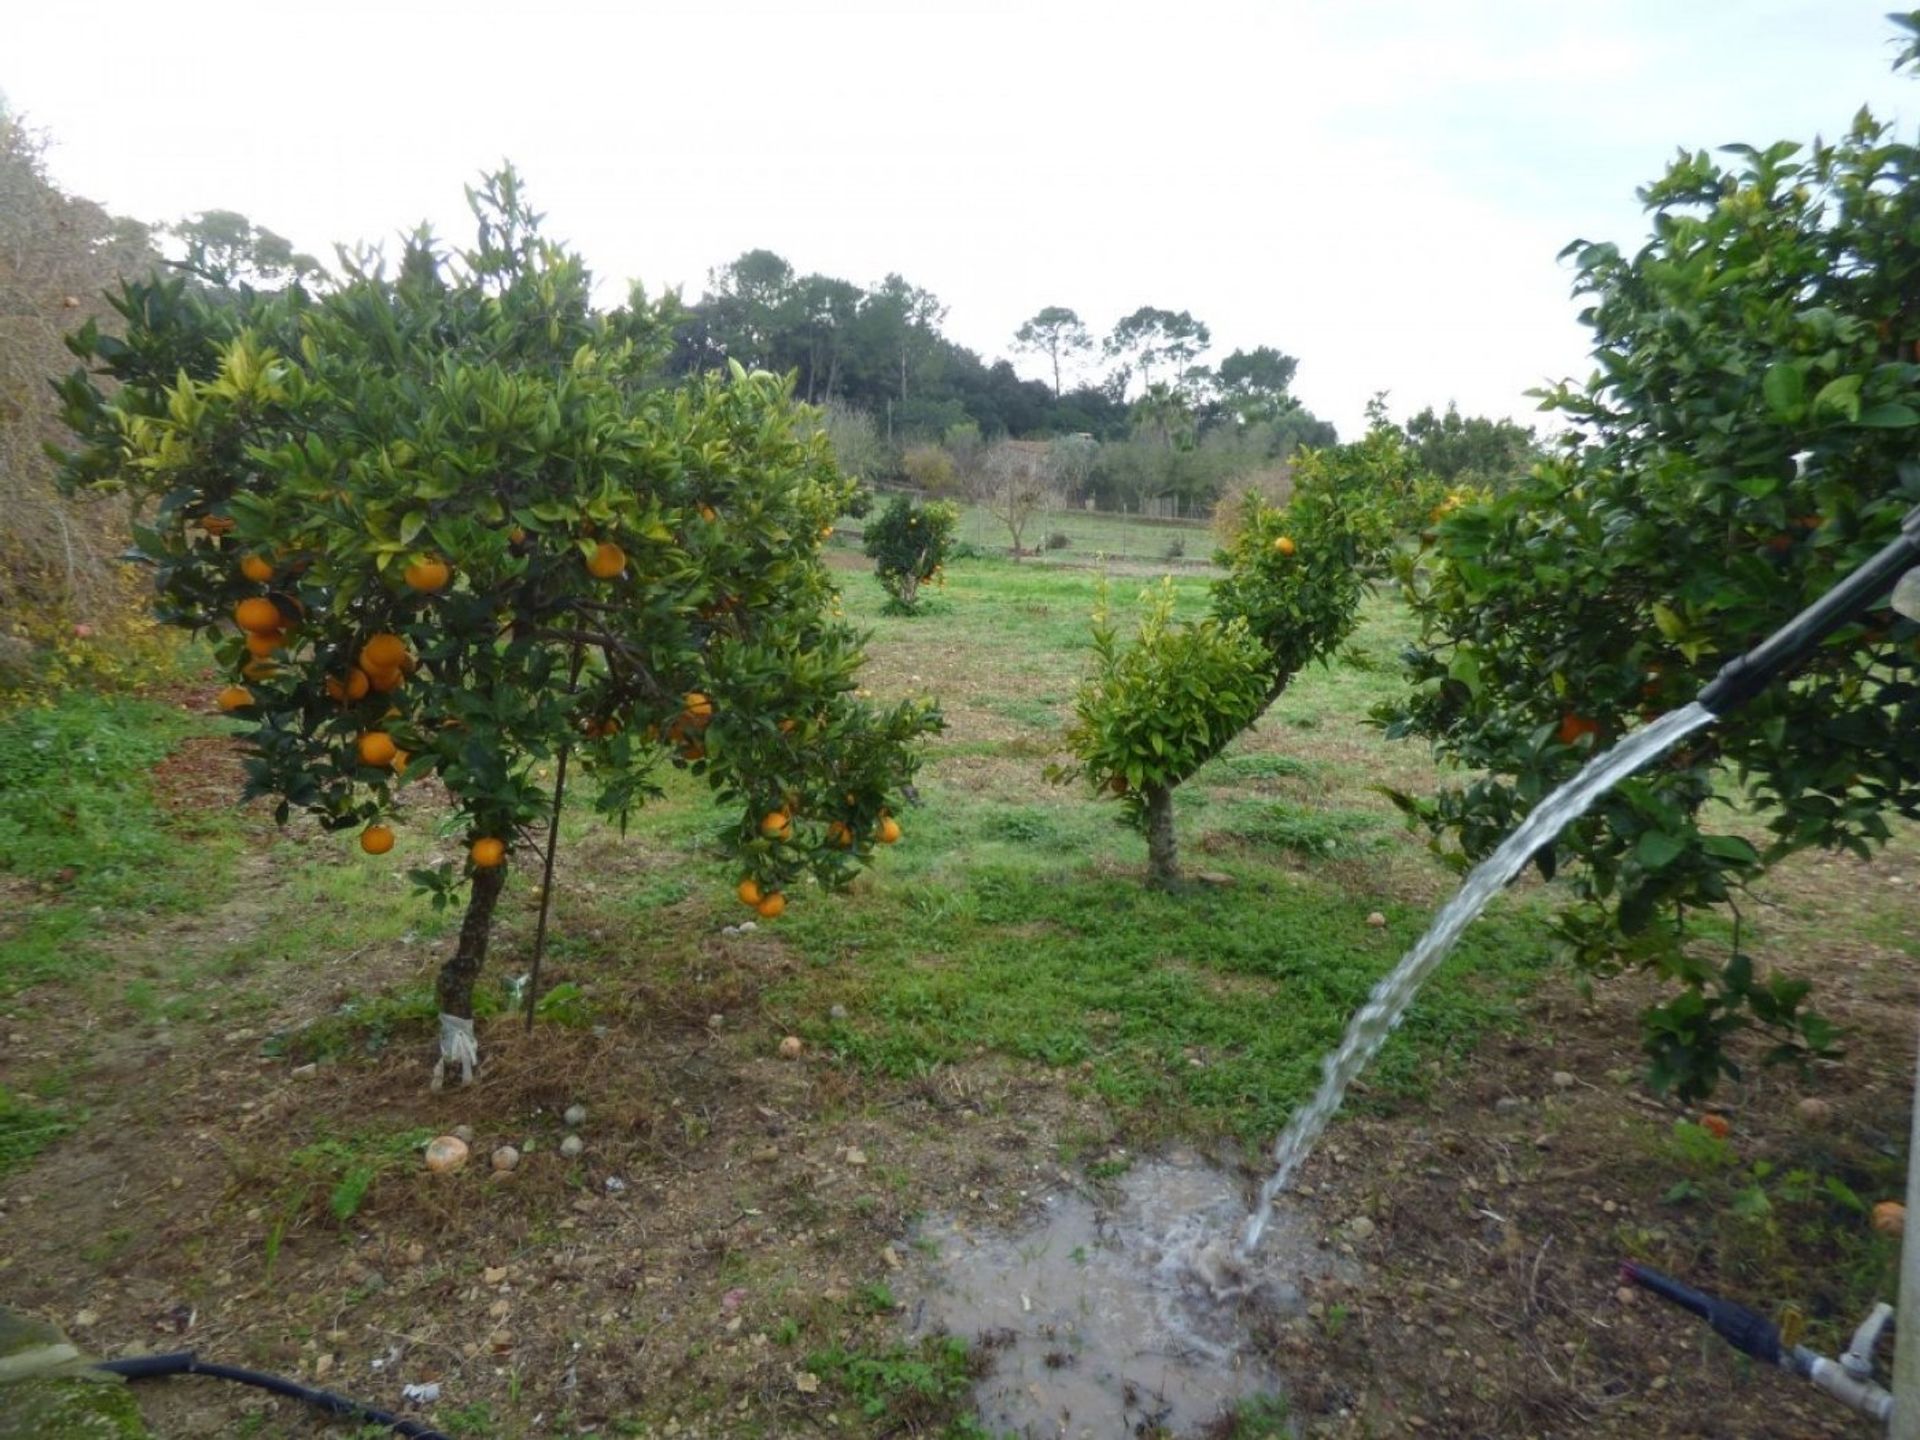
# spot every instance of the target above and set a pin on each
(1387, 1005)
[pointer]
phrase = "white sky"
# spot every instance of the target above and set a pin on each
(1378, 189)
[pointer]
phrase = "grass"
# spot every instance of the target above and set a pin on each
(1090, 534)
(1013, 920)
(916, 1387)
(81, 829)
(27, 1128)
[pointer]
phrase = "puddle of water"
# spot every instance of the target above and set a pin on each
(1110, 1318)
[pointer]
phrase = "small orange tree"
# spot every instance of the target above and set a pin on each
(1153, 713)
(908, 545)
(450, 522)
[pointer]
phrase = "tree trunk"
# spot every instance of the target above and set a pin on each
(454, 987)
(1056, 372)
(1163, 869)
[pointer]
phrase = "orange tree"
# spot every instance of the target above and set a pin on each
(1152, 713)
(1749, 438)
(448, 522)
(908, 544)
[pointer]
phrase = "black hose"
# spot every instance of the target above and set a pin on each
(1743, 678)
(1744, 1329)
(185, 1362)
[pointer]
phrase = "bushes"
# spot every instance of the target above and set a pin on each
(931, 469)
(908, 544)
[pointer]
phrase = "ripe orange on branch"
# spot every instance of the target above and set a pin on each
(256, 569)
(234, 697)
(428, 574)
(1573, 726)
(376, 839)
(487, 852)
(257, 613)
(376, 748)
(384, 652)
(353, 687)
(607, 561)
(748, 890)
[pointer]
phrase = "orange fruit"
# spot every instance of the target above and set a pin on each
(354, 687)
(1284, 545)
(607, 561)
(376, 748)
(1573, 726)
(786, 726)
(427, 574)
(386, 681)
(217, 525)
(708, 514)
(826, 531)
(256, 569)
(693, 750)
(258, 669)
(487, 852)
(234, 697)
(889, 831)
(699, 709)
(772, 906)
(376, 839)
(1890, 1217)
(776, 825)
(257, 614)
(262, 643)
(1716, 1126)
(1117, 784)
(748, 890)
(839, 836)
(383, 652)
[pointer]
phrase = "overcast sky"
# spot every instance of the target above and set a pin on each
(1377, 189)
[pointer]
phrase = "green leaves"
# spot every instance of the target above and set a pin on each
(1785, 389)
(1748, 440)
(479, 413)
(908, 543)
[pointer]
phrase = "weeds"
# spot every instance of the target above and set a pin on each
(913, 1386)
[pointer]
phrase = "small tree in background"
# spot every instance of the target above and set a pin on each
(1154, 712)
(448, 522)
(1158, 707)
(1013, 484)
(908, 544)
